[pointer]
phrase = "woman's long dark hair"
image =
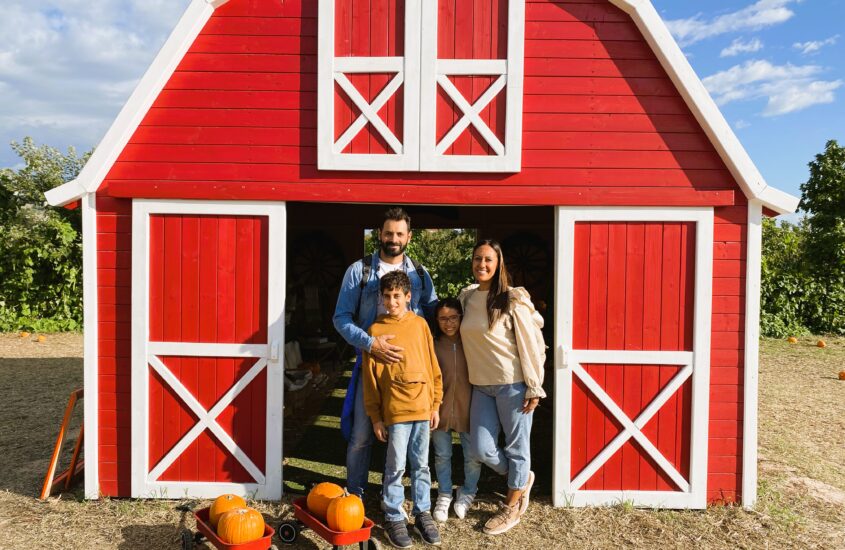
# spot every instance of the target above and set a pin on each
(498, 298)
(451, 303)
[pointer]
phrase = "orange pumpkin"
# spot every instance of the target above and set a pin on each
(346, 513)
(792, 340)
(240, 526)
(821, 344)
(24, 334)
(320, 496)
(42, 338)
(223, 504)
(842, 375)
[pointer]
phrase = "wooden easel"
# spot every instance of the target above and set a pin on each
(76, 465)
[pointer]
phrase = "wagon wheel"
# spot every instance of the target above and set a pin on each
(317, 260)
(527, 259)
(288, 531)
(187, 540)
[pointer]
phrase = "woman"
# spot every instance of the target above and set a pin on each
(505, 355)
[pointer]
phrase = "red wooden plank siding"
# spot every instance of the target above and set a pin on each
(633, 290)
(114, 332)
(724, 481)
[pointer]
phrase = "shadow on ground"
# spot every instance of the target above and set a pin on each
(34, 398)
(319, 453)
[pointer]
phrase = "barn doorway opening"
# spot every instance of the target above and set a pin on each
(322, 241)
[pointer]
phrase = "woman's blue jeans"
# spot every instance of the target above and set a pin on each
(442, 443)
(496, 408)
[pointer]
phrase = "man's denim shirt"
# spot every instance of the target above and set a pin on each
(354, 327)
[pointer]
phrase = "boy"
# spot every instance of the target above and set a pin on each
(402, 400)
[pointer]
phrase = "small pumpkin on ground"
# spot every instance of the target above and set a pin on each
(240, 526)
(842, 375)
(321, 496)
(792, 340)
(223, 504)
(345, 513)
(42, 338)
(24, 334)
(821, 344)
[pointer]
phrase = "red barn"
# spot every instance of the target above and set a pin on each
(576, 132)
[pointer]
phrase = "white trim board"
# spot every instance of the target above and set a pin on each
(752, 354)
(91, 357)
(693, 492)
(145, 355)
(642, 12)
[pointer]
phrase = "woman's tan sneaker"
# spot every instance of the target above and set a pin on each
(526, 493)
(503, 520)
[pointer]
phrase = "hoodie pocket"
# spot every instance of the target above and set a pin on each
(409, 392)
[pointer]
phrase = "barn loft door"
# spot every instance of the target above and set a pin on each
(207, 326)
(632, 364)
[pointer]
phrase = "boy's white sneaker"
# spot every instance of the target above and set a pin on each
(462, 504)
(441, 507)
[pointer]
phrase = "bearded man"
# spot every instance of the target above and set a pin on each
(358, 304)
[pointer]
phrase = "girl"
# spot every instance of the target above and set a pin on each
(454, 413)
(505, 355)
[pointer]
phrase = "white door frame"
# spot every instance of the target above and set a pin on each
(695, 364)
(145, 483)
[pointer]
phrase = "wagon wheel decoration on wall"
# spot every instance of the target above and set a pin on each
(528, 261)
(316, 260)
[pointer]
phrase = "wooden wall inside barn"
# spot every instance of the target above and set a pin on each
(602, 120)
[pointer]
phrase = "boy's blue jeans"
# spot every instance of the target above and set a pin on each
(495, 408)
(407, 442)
(442, 442)
(360, 447)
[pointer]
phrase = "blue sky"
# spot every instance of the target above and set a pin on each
(776, 68)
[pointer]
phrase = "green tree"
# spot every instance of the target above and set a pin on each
(41, 246)
(823, 198)
(784, 282)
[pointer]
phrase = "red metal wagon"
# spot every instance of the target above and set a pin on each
(289, 530)
(206, 532)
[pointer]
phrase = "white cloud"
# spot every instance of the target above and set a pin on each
(815, 45)
(761, 14)
(738, 46)
(787, 88)
(67, 66)
(741, 124)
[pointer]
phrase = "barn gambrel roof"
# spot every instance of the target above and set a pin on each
(642, 12)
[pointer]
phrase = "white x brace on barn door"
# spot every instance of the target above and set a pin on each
(633, 308)
(207, 330)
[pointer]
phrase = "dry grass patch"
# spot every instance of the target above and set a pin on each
(802, 487)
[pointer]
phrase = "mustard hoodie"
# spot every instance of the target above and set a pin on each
(411, 389)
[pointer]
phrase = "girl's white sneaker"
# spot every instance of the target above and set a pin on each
(462, 504)
(441, 507)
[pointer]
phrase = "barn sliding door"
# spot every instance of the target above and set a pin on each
(207, 327)
(632, 363)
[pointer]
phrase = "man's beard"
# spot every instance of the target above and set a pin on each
(392, 252)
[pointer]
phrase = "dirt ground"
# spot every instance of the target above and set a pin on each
(801, 491)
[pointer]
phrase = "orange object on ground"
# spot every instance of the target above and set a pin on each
(76, 465)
